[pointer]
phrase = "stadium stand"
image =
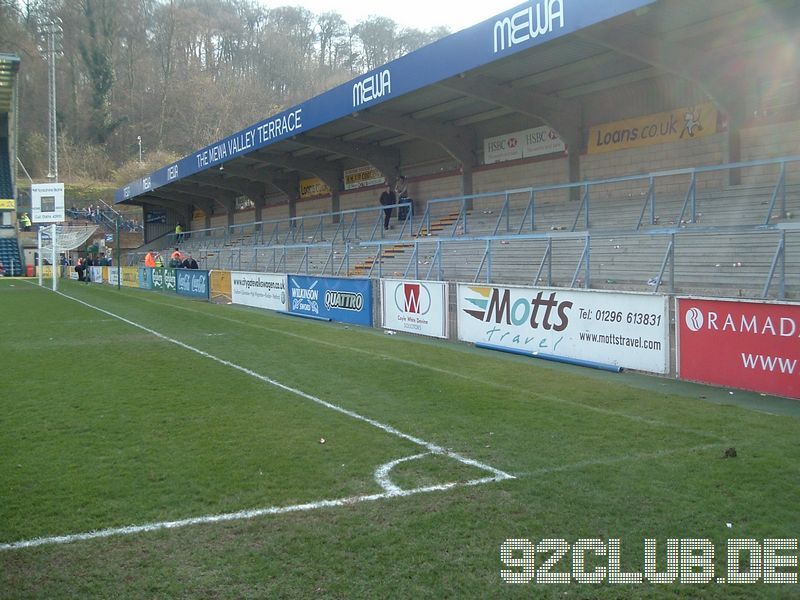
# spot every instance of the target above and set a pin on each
(10, 256)
(709, 205)
(6, 183)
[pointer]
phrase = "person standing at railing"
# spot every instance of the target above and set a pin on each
(25, 222)
(178, 233)
(401, 191)
(388, 198)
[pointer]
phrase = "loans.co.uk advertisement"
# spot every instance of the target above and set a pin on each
(261, 290)
(625, 330)
(414, 306)
(743, 344)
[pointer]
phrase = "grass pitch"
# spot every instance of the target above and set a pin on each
(106, 425)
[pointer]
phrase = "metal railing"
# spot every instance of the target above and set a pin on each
(354, 240)
(463, 208)
(676, 258)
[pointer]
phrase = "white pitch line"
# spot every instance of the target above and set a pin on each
(611, 460)
(236, 516)
(382, 473)
(466, 377)
(497, 474)
(431, 447)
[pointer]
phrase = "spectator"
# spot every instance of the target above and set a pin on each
(388, 198)
(178, 234)
(401, 191)
(25, 222)
(88, 263)
(176, 259)
(150, 259)
(189, 262)
(80, 269)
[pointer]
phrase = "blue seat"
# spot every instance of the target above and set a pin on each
(10, 257)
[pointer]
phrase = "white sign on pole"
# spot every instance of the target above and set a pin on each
(414, 306)
(626, 330)
(522, 144)
(47, 203)
(261, 290)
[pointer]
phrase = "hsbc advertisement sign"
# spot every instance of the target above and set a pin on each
(742, 344)
(414, 306)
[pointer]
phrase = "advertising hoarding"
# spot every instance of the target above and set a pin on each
(680, 124)
(335, 298)
(145, 278)
(261, 290)
(362, 177)
(163, 279)
(414, 306)
(624, 330)
(743, 344)
(522, 144)
(192, 283)
(47, 203)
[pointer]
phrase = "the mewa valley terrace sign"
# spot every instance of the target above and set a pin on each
(524, 27)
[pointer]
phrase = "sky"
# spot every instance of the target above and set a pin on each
(419, 14)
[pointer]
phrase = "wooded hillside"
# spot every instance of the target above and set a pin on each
(178, 73)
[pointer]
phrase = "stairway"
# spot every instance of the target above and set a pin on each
(9, 256)
(365, 266)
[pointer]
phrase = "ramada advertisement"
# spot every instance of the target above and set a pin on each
(743, 344)
(414, 306)
(261, 290)
(624, 330)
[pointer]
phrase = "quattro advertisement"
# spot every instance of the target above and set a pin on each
(335, 298)
(623, 330)
(192, 283)
(414, 306)
(742, 344)
(261, 290)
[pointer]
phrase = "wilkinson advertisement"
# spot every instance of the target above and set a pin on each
(624, 330)
(192, 283)
(749, 345)
(414, 306)
(261, 290)
(335, 298)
